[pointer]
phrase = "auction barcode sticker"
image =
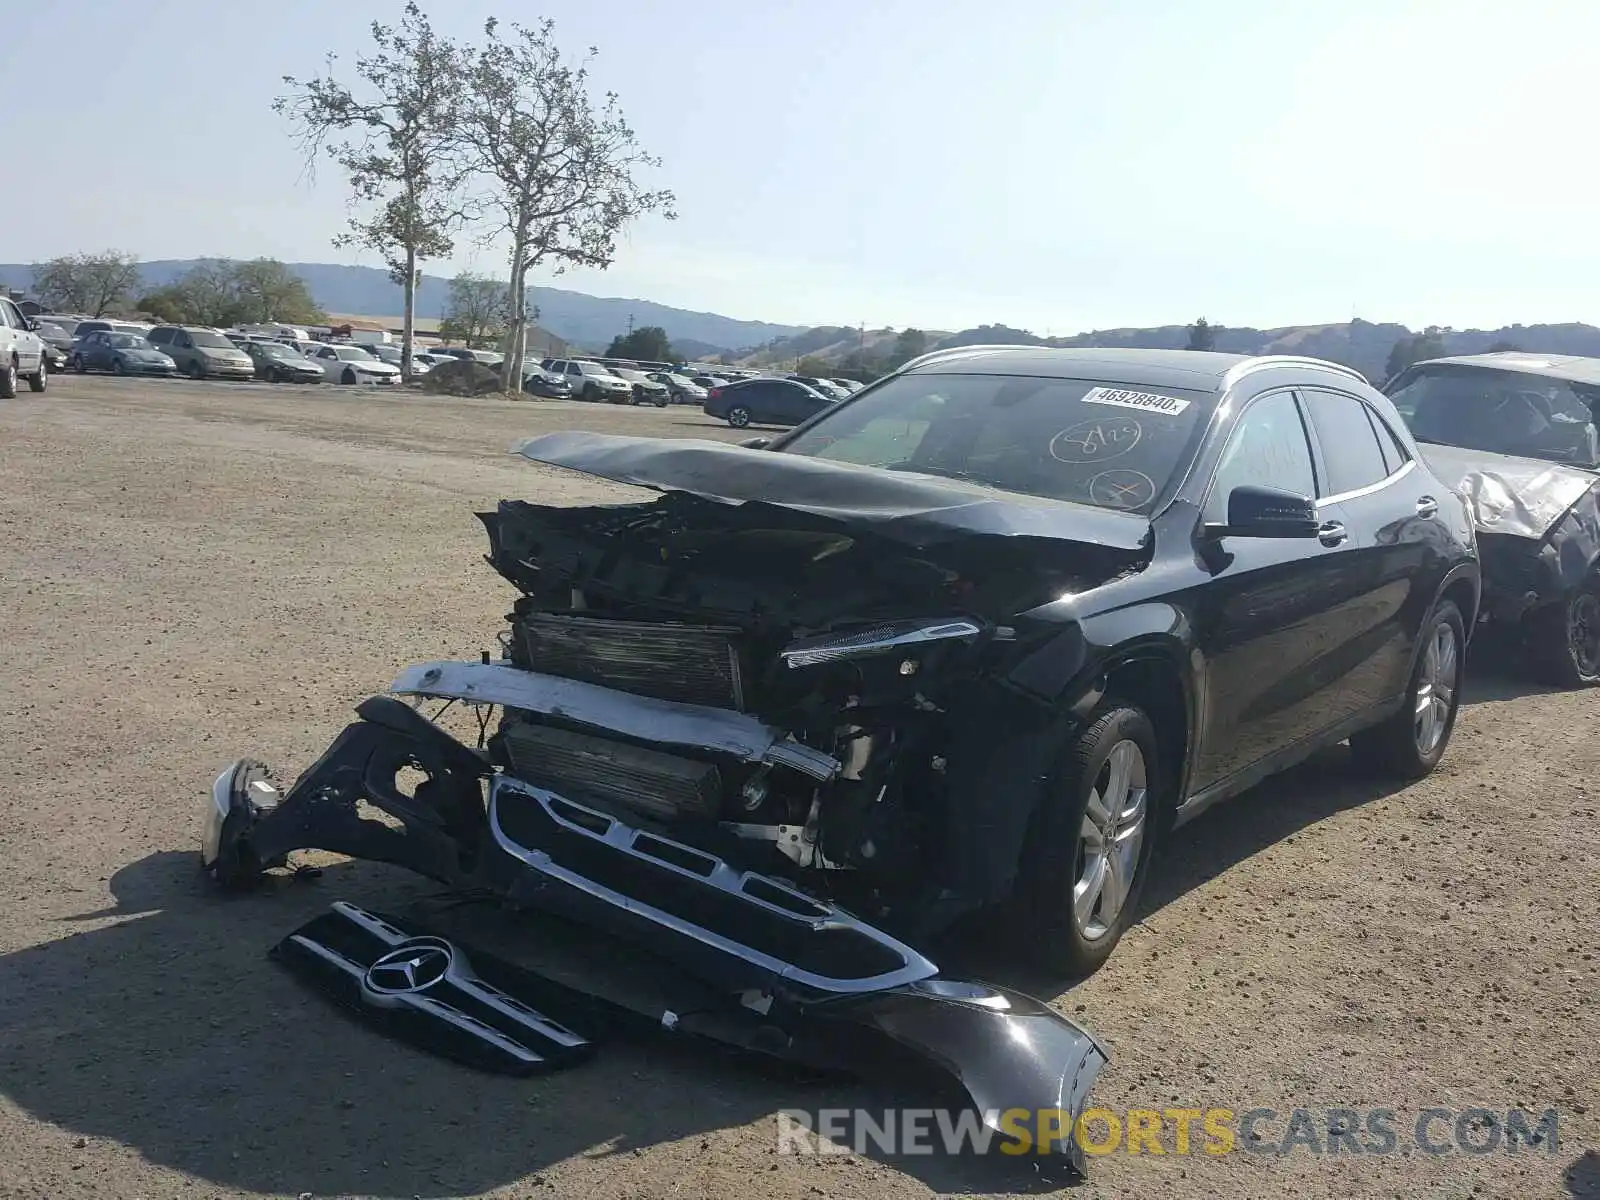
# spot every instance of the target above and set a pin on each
(1143, 401)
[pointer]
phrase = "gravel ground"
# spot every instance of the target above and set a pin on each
(190, 571)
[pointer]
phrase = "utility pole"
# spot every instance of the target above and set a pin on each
(630, 323)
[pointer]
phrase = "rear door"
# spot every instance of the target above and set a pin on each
(1395, 531)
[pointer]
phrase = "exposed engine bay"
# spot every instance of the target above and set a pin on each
(880, 668)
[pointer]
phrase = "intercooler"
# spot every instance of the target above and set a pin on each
(583, 766)
(692, 664)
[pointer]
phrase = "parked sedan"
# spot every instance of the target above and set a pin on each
(1517, 435)
(765, 402)
(850, 386)
(682, 389)
(278, 363)
(645, 389)
(826, 386)
(352, 364)
(537, 381)
(58, 342)
(119, 353)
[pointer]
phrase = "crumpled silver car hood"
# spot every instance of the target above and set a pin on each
(1523, 497)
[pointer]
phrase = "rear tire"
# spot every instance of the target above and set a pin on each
(1565, 638)
(40, 379)
(1090, 843)
(1411, 742)
(739, 416)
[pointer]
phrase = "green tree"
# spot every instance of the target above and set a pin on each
(1417, 348)
(648, 343)
(560, 168)
(265, 290)
(94, 284)
(396, 136)
(475, 313)
(1202, 335)
(1504, 347)
(909, 343)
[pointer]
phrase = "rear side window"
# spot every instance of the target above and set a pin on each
(1349, 446)
(1394, 454)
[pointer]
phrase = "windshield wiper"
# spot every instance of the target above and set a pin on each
(910, 468)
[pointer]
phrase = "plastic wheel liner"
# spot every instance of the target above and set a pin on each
(796, 978)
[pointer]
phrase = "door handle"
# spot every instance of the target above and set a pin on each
(1332, 533)
(1427, 506)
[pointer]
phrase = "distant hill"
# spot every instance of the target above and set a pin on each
(1364, 345)
(587, 321)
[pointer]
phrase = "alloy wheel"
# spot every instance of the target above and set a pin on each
(1436, 687)
(1583, 632)
(739, 417)
(1109, 841)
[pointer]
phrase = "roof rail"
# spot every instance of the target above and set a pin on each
(958, 352)
(1261, 362)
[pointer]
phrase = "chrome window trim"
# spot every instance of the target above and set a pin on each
(1378, 486)
(1357, 493)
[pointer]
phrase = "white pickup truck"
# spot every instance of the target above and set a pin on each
(22, 353)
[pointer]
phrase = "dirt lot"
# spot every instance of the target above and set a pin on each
(188, 572)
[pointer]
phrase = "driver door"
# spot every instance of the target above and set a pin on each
(1265, 623)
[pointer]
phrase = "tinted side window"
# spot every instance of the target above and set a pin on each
(1268, 448)
(1349, 446)
(1394, 454)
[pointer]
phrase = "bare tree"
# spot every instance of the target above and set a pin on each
(87, 283)
(396, 138)
(476, 313)
(562, 169)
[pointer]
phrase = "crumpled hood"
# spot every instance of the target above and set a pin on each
(917, 509)
(1523, 497)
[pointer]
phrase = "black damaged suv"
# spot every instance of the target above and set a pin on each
(972, 640)
(1044, 604)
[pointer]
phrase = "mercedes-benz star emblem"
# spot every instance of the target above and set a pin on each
(412, 967)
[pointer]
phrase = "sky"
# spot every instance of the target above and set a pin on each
(1057, 165)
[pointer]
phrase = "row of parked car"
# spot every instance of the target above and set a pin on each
(200, 352)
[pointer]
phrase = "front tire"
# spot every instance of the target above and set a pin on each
(663, 401)
(117, 368)
(348, 378)
(1090, 843)
(739, 416)
(1411, 742)
(40, 379)
(77, 364)
(8, 381)
(196, 371)
(1565, 638)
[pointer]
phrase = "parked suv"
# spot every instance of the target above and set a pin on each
(591, 381)
(22, 352)
(201, 352)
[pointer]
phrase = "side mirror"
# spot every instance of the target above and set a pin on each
(756, 443)
(33, 325)
(1263, 512)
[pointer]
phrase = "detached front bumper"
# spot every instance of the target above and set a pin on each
(837, 991)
